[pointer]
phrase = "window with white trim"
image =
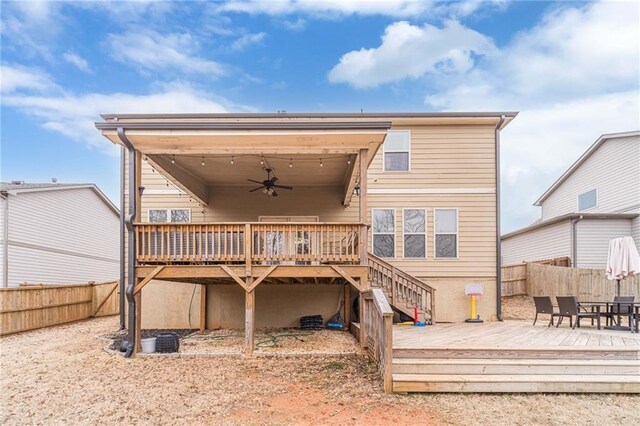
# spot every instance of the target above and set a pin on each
(169, 215)
(414, 226)
(587, 200)
(384, 232)
(445, 224)
(397, 151)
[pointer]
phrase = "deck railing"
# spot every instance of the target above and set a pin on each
(402, 289)
(378, 325)
(295, 243)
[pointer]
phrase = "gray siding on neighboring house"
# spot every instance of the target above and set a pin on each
(2, 206)
(635, 231)
(593, 237)
(542, 243)
(613, 169)
(62, 236)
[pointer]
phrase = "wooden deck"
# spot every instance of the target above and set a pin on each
(514, 357)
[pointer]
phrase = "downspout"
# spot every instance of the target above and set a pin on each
(5, 242)
(122, 247)
(574, 241)
(131, 255)
(498, 248)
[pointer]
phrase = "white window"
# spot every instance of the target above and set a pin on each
(587, 200)
(445, 224)
(384, 232)
(396, 155)
(414, 225)
(169, 215)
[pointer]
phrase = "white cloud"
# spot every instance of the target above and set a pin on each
(327, 8)
(15, 77)
(31, 27)
(151, 51)
(74, 115)
(247, 40)
(77, 61)
(409, 51)
(294, 25)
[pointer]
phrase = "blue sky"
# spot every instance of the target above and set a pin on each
(571, 68)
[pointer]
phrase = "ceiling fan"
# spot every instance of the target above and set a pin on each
(269, 185)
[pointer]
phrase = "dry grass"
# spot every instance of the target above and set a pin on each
(62, 375)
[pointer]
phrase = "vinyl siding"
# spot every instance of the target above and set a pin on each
(635, 231)
(593, 236)
(613, 169)
(2, 206)
(62, 236)
(542, 243)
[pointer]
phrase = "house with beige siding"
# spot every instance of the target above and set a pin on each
(57, 233)
(595, 200)
(254, 220)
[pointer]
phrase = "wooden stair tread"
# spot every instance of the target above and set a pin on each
(511, 378)
(514, 361)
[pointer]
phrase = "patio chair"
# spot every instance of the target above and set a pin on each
(544, 306)
(625, 309)
(569, 307)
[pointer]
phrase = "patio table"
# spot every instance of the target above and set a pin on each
(634, 307)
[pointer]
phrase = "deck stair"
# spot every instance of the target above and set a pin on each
(551, 369)
(403, 291)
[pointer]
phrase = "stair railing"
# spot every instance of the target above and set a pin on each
(401, 288)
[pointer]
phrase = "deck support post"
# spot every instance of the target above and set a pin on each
(138, 320)
(347, 304)
(363, 327)
(203, 307)
(249, 321)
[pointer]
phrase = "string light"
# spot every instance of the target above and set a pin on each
(173, 159)
(349, 160)
(232, 162)
(290, 162)
(203, 161)
(261, 161)
(321, 162)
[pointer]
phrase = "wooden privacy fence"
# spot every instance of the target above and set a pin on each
(534, 279)
(33, 306)
(378, 323)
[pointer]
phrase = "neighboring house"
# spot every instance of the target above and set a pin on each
(595, 200)
(402, 201)
(57, 233)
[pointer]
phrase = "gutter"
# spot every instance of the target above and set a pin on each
(287, 125)
(574, 240)
(122, 246)
(131, 255)
(5, 242)
(498, 248)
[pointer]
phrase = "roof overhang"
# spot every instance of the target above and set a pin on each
(226, 138)
(570, 216)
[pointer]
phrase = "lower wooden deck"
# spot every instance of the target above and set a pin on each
(514, 357)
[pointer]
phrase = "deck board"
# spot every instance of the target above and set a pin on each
(509, 334)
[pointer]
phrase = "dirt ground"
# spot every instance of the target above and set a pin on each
(519, 308)
(62, 375)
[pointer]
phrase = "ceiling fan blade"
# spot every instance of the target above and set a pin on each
(273, 180)
(256, 189)
(283, 187)
(256, 181)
